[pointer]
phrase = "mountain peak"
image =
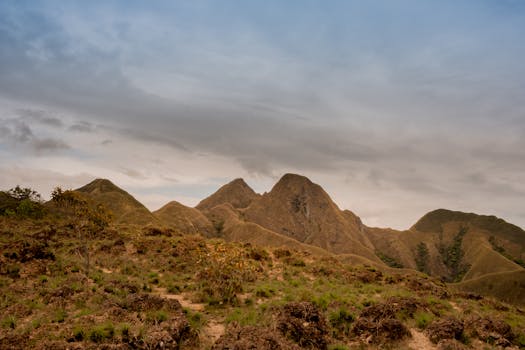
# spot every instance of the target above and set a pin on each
(236, 192)
(124, 207)
(294, 178)
(101, 186)
(238, 182)
(293, 184)
(300, 209)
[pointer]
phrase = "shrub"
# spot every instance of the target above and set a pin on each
(223, 272)
(101, 332)
(78, 333)
(390, 261)
(341, 320)
(60, 316)
(157, 317)
(423, 319)
(9, 322)
(264, 292)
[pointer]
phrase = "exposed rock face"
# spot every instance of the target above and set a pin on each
(237, 193)
(124, 207)
(300, 209)
(184, 219)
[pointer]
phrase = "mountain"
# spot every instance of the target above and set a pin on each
(237, 193)
(454, 245)
(123, 206)
(460, 248)
(298, 208)
(185, 219)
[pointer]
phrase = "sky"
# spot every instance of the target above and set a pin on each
(395, 107)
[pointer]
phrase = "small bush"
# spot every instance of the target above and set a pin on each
(281, 253)
(196, 319)
(423, 319)
(224, 272)
(341, 321)
(157, 317)
(13, 271)
(337, 347)
(124, 330)
(520, 340)
(9, 322)
(60, 316)
(78, 333)
(101, 332)
(264, 292)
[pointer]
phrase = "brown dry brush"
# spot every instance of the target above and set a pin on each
(224, 269)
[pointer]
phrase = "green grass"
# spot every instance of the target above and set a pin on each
(423, 319)
(102, 332)
(9, 322)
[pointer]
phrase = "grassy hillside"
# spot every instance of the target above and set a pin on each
(302, 210)
(237, 193)
(124, 207)
(250, 269)
(185, 219)
(507, 286)
(158, 288)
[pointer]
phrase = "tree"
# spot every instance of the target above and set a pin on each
(20, 194)
(89, 219)
(422, 257)
(21, 202)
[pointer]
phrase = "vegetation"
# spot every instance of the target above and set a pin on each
(153, 287)
(390, 261)
(422, 258)
(452, 256)
(500, 249)
(22, 203)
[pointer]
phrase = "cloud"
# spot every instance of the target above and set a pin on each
(411, 109)
(133, 173)
(82, 127)
(39, 116)
(45, 145)
(16, 133)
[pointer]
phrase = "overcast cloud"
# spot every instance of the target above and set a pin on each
(394, 107)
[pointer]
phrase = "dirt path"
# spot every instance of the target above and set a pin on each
(212, 331)
(213, 328)
(183, 299)
(420, 341)
(455, 306)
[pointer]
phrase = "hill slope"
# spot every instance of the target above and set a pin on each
(454, 245)
(300, 209)
(124, 207)
(237, 193)
(185, 219)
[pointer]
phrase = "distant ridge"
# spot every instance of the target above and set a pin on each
(237, 193)
(184, 219)
(433, 221)
(463, 248)
(124, 207)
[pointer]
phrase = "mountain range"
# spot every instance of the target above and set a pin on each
(475, 253)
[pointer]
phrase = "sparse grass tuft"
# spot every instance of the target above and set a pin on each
(9, 322)
(102, 332)
(423, 319)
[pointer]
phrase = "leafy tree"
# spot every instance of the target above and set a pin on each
(21, 202)
(89, 219)
(422, 258)
(20, 194)
(452, 257)
(390, 261)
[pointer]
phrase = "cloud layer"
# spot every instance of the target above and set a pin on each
(396, 108)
